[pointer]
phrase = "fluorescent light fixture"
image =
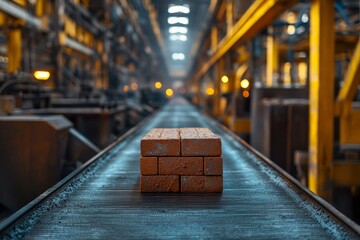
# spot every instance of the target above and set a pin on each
(178, 30)
(178, 56)
(179, 8)
(178, 37)
(176, 20)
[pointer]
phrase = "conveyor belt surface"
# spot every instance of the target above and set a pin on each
(104, 201)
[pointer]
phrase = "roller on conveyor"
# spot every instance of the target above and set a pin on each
(102, 199)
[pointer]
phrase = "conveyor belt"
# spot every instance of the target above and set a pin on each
(102, 200)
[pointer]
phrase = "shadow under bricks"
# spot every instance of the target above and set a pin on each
(188, 200)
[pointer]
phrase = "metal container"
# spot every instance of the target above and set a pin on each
(32, 151)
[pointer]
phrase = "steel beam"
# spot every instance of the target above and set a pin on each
(259, 15)
(352, 78)
(78, 46)
(20, 13)
(322, 60)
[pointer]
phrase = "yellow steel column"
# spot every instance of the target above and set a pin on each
(229, 15)
(39, 8)
(14, 49)
(214, 38)
(272, 59)
(220, 69)
(321, 97)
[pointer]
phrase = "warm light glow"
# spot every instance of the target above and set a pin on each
(134, 86)
(302, 72)
(42, 75)
(246, 94)
(183, 30)
(176, 20)
(169, 92)
(126, 88)
(224, 79)
(178, 37)
(244, 83)
(291, 29)
(287, 76)
(209, 91)
(291, 18)
(179, 8)
(158, 85)
(178, 56)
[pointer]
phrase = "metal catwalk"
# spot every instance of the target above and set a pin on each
(102, 199)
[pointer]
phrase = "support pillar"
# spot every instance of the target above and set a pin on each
(272, 59)
(321, 97)
(220, 70)
(14, 49)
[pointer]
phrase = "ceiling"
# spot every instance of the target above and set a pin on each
(198, 18)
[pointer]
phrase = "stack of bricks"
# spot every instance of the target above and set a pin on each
(181, 160)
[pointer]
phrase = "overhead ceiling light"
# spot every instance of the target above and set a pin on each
(305, 18)
(178, 37)
(176, 20)
(169, 92)
(291, 29)
(178, 56)
(179, 8)
(178, 30)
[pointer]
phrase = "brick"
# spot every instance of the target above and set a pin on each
(148, 165)
(161, 142)
(199, 142)
(181, 165)
(213, 166)
(209, 184)
(159, 183)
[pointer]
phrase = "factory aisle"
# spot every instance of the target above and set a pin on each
(104, 200)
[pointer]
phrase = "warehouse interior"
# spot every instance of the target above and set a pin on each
(81, 81)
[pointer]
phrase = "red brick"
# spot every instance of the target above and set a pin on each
(213, 166)
(181, 165)
(199, 142)
(201, 184)
(161, 142)
(159, 183)
(148, 165)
